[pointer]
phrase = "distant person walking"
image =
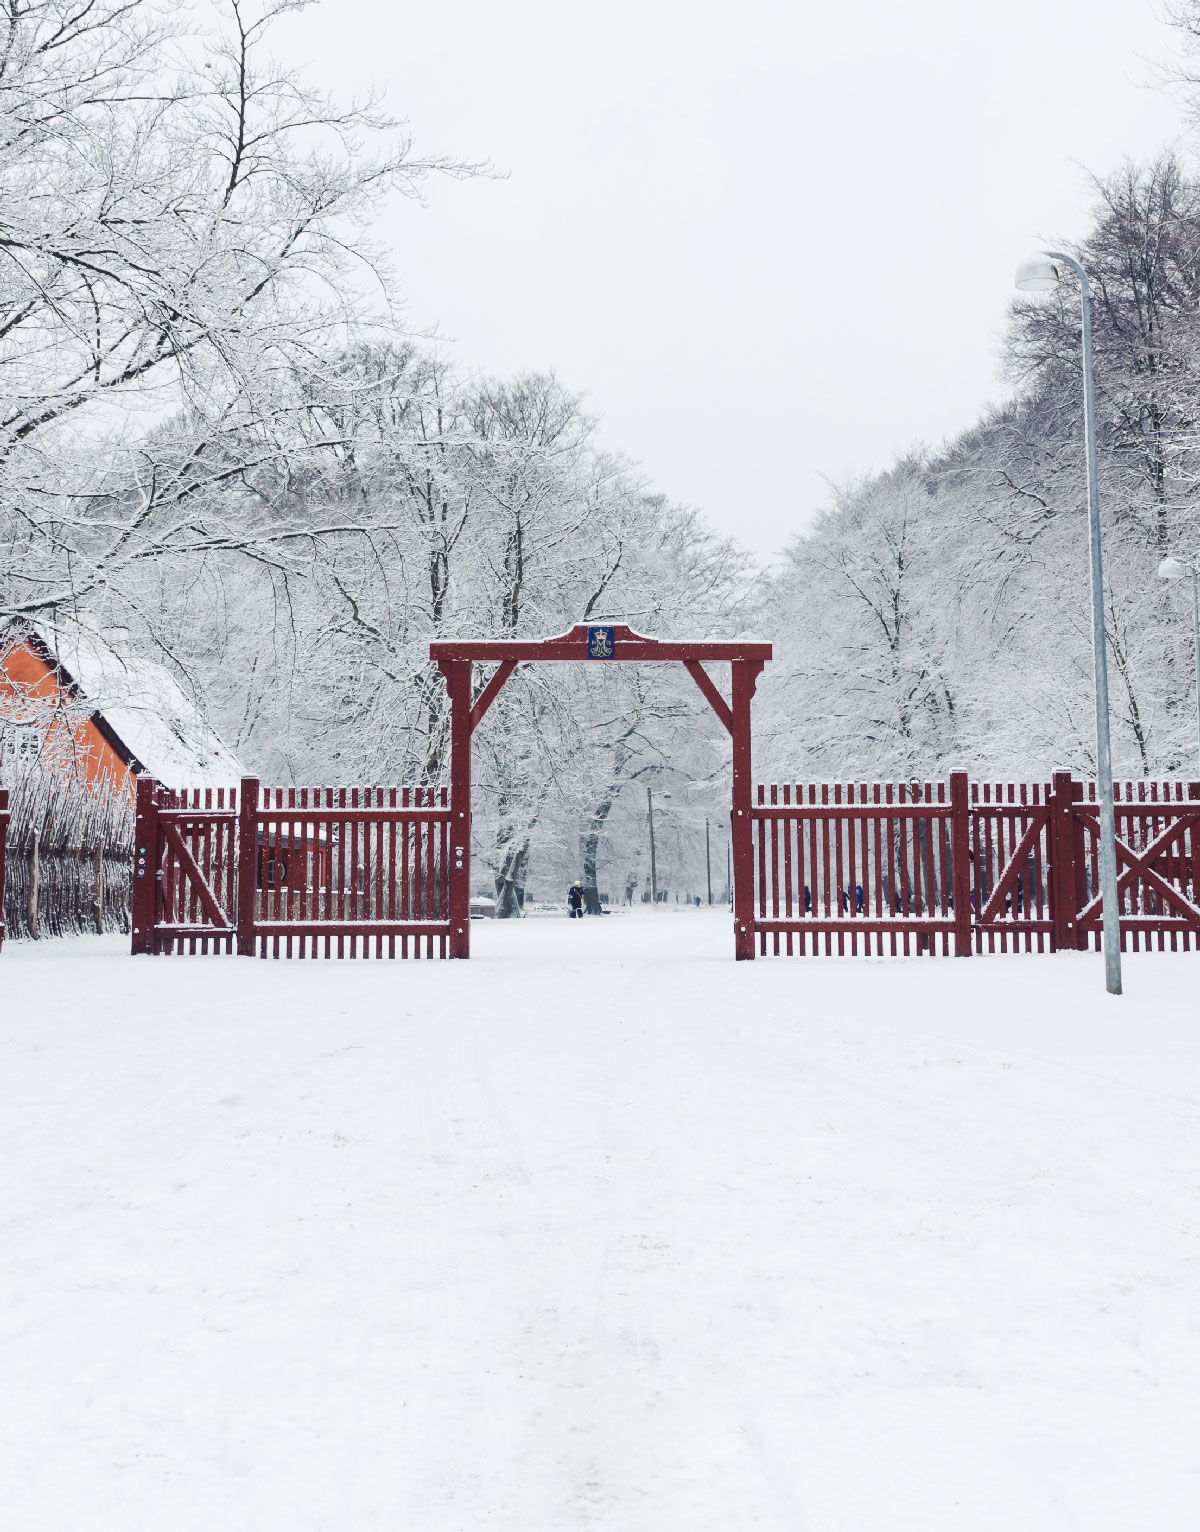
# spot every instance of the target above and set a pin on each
(575, 900)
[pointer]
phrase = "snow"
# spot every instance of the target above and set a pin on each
(147, 707)
(599, 1230)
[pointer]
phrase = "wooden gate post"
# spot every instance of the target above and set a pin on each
(458, 686)
(1064, 877)
(960, 855)
(247, 864)
(146, 858)
(744, 679)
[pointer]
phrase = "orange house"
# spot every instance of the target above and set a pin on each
(76, 701)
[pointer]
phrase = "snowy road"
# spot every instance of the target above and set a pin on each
(599, 1230)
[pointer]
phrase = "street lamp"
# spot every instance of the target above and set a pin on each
(653, 863)
(1179, 569)
(1041, 273)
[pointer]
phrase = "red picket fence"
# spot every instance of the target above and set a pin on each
(934, 867)
(292, 871)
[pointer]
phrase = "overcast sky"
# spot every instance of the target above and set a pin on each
(771, 242)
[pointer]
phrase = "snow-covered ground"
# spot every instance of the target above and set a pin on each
(598, 1230)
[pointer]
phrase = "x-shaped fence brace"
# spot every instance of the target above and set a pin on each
(1138, 863)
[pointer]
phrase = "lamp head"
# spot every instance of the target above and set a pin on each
(1174, 569)
(1038, 274)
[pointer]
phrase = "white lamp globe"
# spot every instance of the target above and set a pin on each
(1037, 274)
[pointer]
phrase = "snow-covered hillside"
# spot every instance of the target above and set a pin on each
(598, 1230)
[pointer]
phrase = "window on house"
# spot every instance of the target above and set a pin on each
(22, 742)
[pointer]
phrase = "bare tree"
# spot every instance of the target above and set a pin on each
(174, 222)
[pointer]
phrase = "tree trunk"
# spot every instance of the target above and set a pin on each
(510, 881)
(591, 844)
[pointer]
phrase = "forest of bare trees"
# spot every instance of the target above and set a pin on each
(214, 433)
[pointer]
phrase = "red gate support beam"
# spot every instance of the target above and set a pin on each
(745, 679)
(1063, 874)
(458, 684)
(146, 858)
(960, 861)
(247, 865)
(704, 681)
(491, 691)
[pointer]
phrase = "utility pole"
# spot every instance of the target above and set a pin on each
(1039, 274)
(707, 859)
(653, 866)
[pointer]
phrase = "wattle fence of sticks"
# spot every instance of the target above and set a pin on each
(65, 856)
(935, 867)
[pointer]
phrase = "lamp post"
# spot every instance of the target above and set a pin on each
(1041, 273)
(653, 864)
(1178, 569)
(707, 859)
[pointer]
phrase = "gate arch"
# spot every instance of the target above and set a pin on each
(605, 643)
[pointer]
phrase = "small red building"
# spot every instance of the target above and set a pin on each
(82, 702)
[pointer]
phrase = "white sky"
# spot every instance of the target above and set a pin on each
(771, 241)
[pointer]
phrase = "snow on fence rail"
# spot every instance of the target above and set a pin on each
(933, 867)
(292, 871)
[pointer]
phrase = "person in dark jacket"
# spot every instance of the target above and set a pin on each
(575, 900)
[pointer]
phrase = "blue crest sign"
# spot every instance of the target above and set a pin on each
(601, 643)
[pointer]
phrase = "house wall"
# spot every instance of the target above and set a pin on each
(30, 693)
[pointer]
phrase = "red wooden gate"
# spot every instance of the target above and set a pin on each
(1011, 861)
(853, 868)
(348, 868)
(292, 871)
(185, 857)
(900, 868)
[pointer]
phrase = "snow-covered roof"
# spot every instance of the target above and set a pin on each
(143, 704)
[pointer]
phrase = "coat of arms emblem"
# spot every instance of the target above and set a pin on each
(601, 645)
